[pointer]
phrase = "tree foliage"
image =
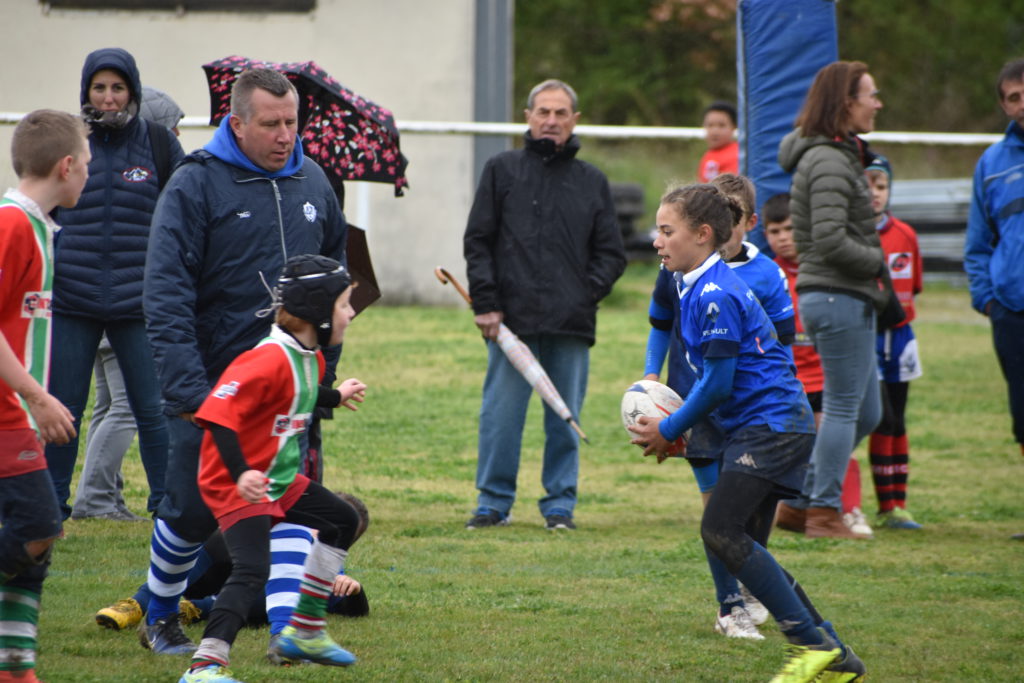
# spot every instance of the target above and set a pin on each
(659, 62)
(638, 62)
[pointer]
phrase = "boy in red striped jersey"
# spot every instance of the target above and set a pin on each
(51, 157)
(249, 467)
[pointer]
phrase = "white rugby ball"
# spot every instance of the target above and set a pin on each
(650, 399)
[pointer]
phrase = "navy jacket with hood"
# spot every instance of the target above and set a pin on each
(100, 251)
(220, 225)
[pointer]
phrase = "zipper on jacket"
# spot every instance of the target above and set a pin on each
(280, 218)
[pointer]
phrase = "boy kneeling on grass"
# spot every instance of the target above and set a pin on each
(51, 157)
(248, 472)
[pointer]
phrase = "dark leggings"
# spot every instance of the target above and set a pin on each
(248, 542)
(740, 512)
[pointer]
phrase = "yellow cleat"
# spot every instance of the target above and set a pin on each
(188, 613)
(804, 663)
(121, 615)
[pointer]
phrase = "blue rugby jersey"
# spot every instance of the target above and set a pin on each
(767, 281)
(721, 318)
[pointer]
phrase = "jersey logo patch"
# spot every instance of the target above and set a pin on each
(713, 311)
(900, 266)
(226, 390)
(244, 214)
(36, 305)
(136, 174)
(287, 425)
(710, 287)
(309, 211)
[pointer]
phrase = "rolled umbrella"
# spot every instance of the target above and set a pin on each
(523, 360)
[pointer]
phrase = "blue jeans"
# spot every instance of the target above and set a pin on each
(503, 414)
(842, 328)
(1008, 338)
(28, 512)
(75, 341)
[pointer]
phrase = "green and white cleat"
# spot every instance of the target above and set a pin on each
(319, 649)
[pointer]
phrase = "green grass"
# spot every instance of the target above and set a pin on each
(627, 596)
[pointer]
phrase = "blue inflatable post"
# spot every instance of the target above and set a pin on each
(780, 46)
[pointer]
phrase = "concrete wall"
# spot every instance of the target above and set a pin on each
(413, 57)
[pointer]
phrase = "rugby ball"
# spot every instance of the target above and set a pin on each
(650, 399)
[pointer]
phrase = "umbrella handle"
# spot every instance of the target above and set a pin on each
(576, 428)
(445, 277)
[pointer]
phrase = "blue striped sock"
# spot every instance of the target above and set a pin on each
(170, 560)
(289, 546)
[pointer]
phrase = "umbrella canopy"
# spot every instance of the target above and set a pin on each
(350, 137)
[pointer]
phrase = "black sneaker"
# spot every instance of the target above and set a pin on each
(486, 517)
(165, 637)
(558, 521)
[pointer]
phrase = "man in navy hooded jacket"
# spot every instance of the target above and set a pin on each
(232, 214)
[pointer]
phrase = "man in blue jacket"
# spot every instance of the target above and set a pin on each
(542, 247)
(229, 218)
(995, 240)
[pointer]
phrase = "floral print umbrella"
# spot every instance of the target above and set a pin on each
(349, 136)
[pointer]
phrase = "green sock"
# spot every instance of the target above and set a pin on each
(322, 564)
(19, 619)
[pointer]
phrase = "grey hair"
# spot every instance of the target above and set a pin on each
(552, 84)
(274, 82)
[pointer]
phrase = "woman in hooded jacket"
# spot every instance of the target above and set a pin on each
(100, 255)
(839, 283)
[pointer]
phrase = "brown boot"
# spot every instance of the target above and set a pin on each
(828, 523)
(790, 518)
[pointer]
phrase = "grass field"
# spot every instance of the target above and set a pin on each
(627, 597)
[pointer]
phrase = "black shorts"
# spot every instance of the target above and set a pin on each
(780, 457)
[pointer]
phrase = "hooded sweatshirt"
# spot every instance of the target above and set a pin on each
(833, 222)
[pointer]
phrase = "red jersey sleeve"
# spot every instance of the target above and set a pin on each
(243, 388)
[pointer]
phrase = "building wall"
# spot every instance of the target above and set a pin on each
(413, 57)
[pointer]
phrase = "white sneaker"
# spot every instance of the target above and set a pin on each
(856, 522)
(758, 612)
(737, 624)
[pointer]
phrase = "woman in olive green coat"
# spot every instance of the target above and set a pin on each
(838, 283)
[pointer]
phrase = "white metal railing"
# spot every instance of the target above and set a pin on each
(620, 132)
